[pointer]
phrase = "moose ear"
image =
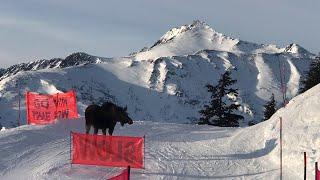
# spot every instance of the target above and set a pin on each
(125, 108)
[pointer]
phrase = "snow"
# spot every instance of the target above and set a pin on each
(265, 79)
(294, 80)
(189, 39)
(177, 151)
(186, 40)
(174, 151)
(170, 89)
(47, 88)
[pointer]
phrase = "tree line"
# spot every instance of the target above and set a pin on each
(221, 110)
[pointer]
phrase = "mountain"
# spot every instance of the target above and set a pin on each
(165, 82)
(297, 50)
(72, 60)
(189, 39)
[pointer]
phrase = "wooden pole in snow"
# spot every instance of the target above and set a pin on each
(305, 165)
(19, 104)
(280, 148)
(316, 171)
(144, 151)
(70, 146)
(129, 172)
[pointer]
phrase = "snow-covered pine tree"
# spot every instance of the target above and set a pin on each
(218, 113)
(312, 76)
(269, 108)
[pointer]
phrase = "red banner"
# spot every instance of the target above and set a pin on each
(116, 151)
(317, 173)
(45, 109)
(125, 175)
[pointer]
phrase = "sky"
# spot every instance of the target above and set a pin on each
(44, 29)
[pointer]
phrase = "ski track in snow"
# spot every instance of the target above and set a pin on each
(294, 80)
(265, 79)
(173, 151)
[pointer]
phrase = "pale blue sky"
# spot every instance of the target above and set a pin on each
(43, 29)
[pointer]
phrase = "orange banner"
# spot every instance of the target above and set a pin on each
(45, 109)
(116, 151)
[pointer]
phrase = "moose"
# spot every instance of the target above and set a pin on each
(105, 117)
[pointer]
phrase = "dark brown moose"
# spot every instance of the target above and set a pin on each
(105, 117)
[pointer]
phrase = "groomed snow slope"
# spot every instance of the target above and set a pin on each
(177, 151)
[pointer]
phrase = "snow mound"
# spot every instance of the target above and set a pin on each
(301, 131)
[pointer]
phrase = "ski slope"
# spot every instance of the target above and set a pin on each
(173, 151)
(177, 151)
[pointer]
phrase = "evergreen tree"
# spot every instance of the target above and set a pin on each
(312, 76)
(218, 113)
(269, 108)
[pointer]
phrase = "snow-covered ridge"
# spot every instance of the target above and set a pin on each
(189, 39)
(178, 31)
(297, 50)
(71, 60)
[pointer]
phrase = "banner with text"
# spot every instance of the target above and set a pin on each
(45, 109)
(116, 151)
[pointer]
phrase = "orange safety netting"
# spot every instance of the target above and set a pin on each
(117, 151)
(45, 109)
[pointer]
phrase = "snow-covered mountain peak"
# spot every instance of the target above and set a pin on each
(297, 50)
(197, 25)
(186, 40)
(198, 36)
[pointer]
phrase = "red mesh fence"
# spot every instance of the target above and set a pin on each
(117, 151)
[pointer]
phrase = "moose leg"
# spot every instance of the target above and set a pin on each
(96, 130)
(88, 129)
(110, 130)
(104, 131)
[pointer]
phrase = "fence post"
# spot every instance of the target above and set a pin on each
(19, 99)
(305, 165)
(70, 149)
(316, 171)
(144, 151)
(280, 148)
(128, 172)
